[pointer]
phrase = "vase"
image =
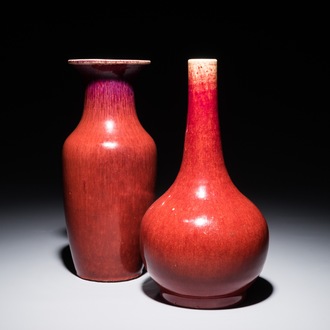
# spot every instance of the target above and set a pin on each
(202, 241)
(109, 170)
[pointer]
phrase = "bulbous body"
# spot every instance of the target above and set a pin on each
(203, 241)
(109, 169)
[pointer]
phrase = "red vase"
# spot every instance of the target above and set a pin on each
(203, 242)
(109, 170)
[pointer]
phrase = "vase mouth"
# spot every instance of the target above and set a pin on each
(98, 68)
(202, 60)
(100, 61)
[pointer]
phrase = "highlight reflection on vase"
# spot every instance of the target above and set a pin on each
(109, 170)
(203, 242)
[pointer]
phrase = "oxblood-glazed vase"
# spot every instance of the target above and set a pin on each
(203, 242)
(109, 170)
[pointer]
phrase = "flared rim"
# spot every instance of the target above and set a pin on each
(98, 68)
(99, 61)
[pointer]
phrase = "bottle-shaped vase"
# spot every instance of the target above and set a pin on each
(202, 241)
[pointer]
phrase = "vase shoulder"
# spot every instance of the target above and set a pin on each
(203, 241)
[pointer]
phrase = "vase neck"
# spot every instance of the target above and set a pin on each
(108, 98)
(202, 146)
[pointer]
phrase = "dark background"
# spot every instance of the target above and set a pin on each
(274, 70)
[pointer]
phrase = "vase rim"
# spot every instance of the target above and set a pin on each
(98, 68)
(202, 60)
(107, 61)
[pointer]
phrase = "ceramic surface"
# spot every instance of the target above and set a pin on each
(203, 241)
(109, 170)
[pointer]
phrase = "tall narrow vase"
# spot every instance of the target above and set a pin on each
(109, 169)
(203, 241)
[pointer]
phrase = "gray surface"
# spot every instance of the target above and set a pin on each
(38, 289)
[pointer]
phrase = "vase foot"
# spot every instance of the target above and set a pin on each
(202, 302)
(122, 278)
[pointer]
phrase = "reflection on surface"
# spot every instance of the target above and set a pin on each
(110, 144)
(201, 192)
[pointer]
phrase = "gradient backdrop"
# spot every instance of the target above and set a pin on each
(273, 93)
(274, 72)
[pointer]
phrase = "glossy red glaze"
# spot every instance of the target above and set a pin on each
(109, 170)
(203, 241)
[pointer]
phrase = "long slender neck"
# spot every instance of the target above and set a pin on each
(202, 146)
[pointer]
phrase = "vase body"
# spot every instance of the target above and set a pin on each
(203, 242)
(109, 170)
